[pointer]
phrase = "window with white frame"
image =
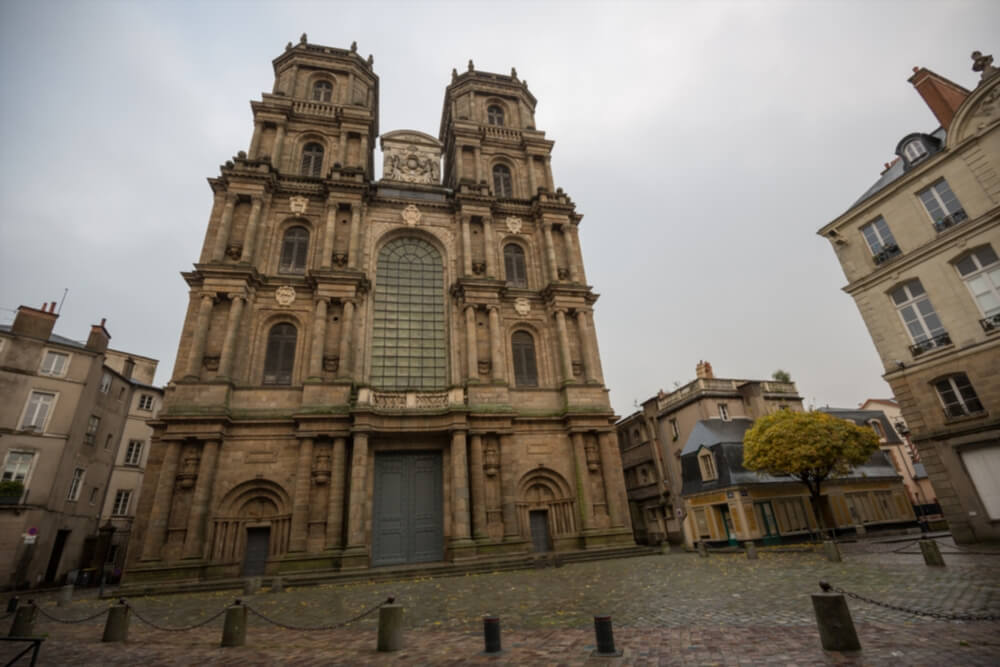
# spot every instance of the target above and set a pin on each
(877, 428)
(921, 322)
(942, 205)
(75, 485)
(106, 382)
(133, 453)
(123, 498)
(707, 464)
(957, 395)
(37, 411)
(980, 269)
(880, 240)
(724, 412)
(54, 364)
(17, 466)
(914, 150)
(93, 424)
(674, 429)
(146, 402)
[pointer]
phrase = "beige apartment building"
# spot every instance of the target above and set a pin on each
(920, 250)
(63, 413)
(382, 372)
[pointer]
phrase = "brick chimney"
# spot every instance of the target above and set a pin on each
(34, 322)
(704, 370)
(99, 337)
(941, 95)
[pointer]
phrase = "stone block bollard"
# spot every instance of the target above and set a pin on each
(234, 629)
(491, 634)
(836, 628)
(605, 636)
(751, 550)
(702, 549)
(277, 585)
(65, 595)
(116, 624)
(12, 605)
(832, 551)
(931, 553)
(251, 585)
(390, 627)
(24, 620)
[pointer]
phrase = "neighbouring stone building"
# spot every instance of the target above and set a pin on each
(920, 253)
(63, 411)
(382, 372)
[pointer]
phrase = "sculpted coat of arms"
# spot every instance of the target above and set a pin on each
(298, 205)
(514, 224)
(285, 295)
(522, 305)
(411, 215)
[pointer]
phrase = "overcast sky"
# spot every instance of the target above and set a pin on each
(705, 143)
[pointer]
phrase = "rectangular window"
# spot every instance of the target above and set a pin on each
(880, 241)
(75, 485)
(791, 514)
(724, 412)
(54, 364)
(980, 269)
(707, 463)
(942, 205)
(134, 452)
(983, 466)
(37, 413)
(107, 441)
(105, 382)
(921, 322)
(123, 497)
(957, 396)
(93, 424)
(17, 466)
(674, 429)
(146, 402)
(93, 495)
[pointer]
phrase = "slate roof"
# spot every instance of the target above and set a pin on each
(863, 418)
(55, 338)
(895, 171)
(710, 432)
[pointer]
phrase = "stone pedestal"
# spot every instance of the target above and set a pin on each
(836, 628)
(116, 625)
(390, 627)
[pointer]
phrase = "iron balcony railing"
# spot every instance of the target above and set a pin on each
(886, 253)
(990, 323)
(940, 340)
(951, 220)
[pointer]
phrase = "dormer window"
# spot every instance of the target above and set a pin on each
(914, 150)
(494, 115)
(706, 462)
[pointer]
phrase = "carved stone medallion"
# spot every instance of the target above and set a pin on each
(298, 205)
(522, 305)
(411, 157)
(514, 224)
(411, 215)
(285, 295)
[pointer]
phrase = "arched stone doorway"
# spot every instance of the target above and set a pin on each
(545, 508)
(252, 525)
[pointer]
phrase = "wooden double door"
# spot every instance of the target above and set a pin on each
(407, 513)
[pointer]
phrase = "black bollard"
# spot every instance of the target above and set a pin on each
(491, 632)
(605, 637)
(12, 605)
(24, 621)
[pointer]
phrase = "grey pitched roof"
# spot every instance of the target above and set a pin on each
(55, 338)
(895, 171)
(710, 432)
(863, 418)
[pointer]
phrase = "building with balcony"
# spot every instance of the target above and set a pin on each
(920, 250)
(382, 372)
(62, 419)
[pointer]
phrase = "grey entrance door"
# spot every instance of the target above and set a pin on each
(407, 515)
(255, 559)
(539, 530)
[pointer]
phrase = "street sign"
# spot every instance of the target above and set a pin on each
(29, 539)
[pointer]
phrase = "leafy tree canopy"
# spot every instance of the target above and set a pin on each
(781, 376)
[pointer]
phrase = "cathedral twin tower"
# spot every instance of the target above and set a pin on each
(382, 372)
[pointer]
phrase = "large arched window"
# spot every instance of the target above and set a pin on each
(494, 114)
(514, 265)
(294, 251)
(503, 185)
(312, 159)
(322, 91)
(408, 339)
(523, 351)
(280, 356)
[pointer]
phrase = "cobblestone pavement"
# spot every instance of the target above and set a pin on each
(674, 609)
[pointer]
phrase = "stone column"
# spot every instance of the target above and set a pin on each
(595, 353)
(489, 248)
(459, 166)
(255, 140)
(236, 302)
(472, 353)
(614, 483)
(363, 152)
(251, 234)
(564, 350)
(225, 228)
(346, 325)
(335, 509)
(570, 253)
(359, 492)
(460, 487)
(477, 486)
(583, 481)
(496, 346)
(508, 493)
(586, 345)
(548, 173)
(194, 536)
(279, 140)
(342, 159)
(156, 535)
(352, 249)
(349, 97)
(300, 501)
(532, 177)
(318, 340)
(577, 257)
(200, 336)
(477, 156)
(466, 247)
(329, 234)
(550, 252)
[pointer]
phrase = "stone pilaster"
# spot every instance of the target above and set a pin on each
(489, 249)
(335, 508)
(466, 247)
(582, 481)
(346, 326)
(359, 492)
(318, 340)
(496, 346)
(614, 482)
(300, 501)
(586, 345)
(255, 139)
(508, 493)
(250, 239)
(472, 353)
(156, 533)
(329, 235)
(236, 302)
(460, 487)
(565, 358)
(225, 228)
(194, 536)
(353, 260)
(197, 352)
(477, 486)
(551, 268)
(276, 148)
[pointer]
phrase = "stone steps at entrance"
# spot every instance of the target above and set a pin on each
(421, 570)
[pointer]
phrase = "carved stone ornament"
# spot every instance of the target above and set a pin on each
(514, 224)
(484, 367)
(562, 273)
(340, 259)
(522, 305)
(331, 364)
(479, 268)
(491, 460)
(285, 295)
(411, 157)
(211, 363)
(321, 470)
(234, 252)
(298, 204)
(593, 460)
(411, 215)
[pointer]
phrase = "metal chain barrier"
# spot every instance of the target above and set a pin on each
(960, 550)
(910, 610)
(334, 626)
(70, 621)
(169, 629)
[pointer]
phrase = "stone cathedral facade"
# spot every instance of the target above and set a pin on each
(382, 372)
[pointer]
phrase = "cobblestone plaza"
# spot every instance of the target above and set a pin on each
(667, 609)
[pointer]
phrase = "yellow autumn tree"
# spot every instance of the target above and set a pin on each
(809, 446)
